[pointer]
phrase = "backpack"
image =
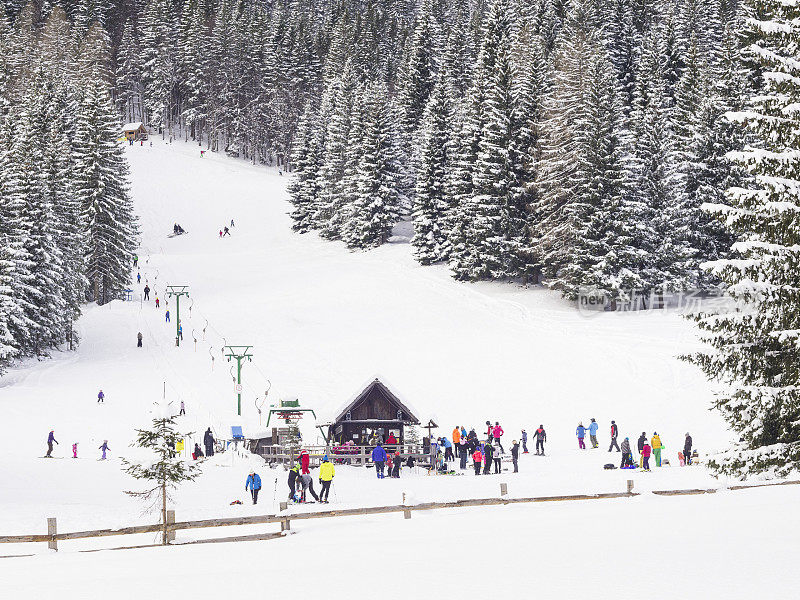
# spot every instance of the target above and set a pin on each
(609, 466)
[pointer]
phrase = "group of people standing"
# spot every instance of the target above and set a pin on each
(51, 439)
(487, 453)
(301, 482)
(647, 448)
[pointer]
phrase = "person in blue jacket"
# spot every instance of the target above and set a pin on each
(379, 458)
(254, 484)
(581, 433)
(448, 449)
(593, 427)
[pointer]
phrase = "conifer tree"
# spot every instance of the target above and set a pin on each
(754, 354)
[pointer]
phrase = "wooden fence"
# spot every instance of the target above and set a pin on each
(52, 537)
(350, 455)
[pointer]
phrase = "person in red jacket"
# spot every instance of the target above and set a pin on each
(305, 460)
(497, 433)
(646, 456)
(477, 459)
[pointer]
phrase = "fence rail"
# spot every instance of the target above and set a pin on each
(285, 517)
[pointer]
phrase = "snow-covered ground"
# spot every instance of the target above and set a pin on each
(322, 322)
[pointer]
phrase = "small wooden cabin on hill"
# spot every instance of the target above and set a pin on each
(134, 131)
(375, 411)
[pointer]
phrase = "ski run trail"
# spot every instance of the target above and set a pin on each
(323, 321)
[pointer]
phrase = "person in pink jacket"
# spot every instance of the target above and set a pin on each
(497, 433)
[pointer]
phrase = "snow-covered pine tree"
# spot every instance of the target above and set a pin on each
(159, 61)
(431, 204)
(754, 352)
(101, 185)
(375, 207)
(305, 166)
(129, 89)
(160, 465)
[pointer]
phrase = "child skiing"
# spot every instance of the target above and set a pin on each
(75, 450)
(158, 302)
(101, 397)
(104, 448)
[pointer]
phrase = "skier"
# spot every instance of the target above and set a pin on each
(655, 443)
(489, 430)
(687, 449)
(208, 441)
(180, 331)
(167, 316)
(75, 450)
(498, 459)
(379, 457)
(541, 438)
(515, 454)
(139, 340)
(158, 302)
(138, 278)
(498, 432)
(227, 232)
(292, 481)
(104, 448)
(135, 260)
(50, 439)
(581, 433)
(646, 456)
(525, 442)
(307, 483)
(146, 292)
(183, 408)
(614, 434)
(627, 458)
(397, 464)
(593, 427)
(488, 452)
(232, 225)
(326, 474)
(101, 397)
(477, 458)
(254, 484)
(220, 233)
(305, 461)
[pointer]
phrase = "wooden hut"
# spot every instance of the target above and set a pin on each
(134, 131)
(375, 412)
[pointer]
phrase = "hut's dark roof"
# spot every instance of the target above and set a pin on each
(377, 383)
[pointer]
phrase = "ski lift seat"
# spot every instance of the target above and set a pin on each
(236, 432)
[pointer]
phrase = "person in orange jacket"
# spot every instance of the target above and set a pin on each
(477, 459)
(456, 436)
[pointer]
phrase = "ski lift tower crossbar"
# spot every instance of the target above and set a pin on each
(239, 353)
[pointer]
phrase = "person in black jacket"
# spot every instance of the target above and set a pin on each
(488, 452)
(687, 449)
(614, 434)
(293, 473)
(515, 454)
(208, 442)
(541, 438)
(640, 444)
(463, 453)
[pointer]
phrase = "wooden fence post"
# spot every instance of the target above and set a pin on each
(285, 524)
(170, 531)
(503, 489)
(630, 486)
(406, 512)
(52, 529)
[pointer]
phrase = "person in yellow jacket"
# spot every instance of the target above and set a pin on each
(326, 474)
(456, 436)
(655, 443)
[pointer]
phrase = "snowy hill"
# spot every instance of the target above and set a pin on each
(322, 320)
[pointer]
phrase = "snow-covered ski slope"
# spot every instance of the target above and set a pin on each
(322, 321)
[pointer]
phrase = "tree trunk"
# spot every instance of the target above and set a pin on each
(164, 511)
